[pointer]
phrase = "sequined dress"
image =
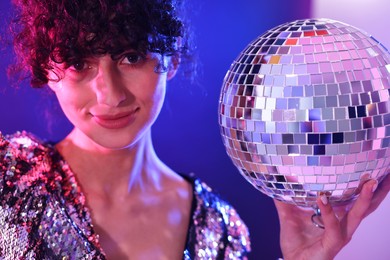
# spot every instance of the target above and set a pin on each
(43, 214)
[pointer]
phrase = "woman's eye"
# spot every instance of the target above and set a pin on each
(132, 58)
(79, 66)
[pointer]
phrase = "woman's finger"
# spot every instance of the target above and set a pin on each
(360, 207)
(285, 213)
(333, 237)
(379, 195)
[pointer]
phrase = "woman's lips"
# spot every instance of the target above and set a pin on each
(115, 121)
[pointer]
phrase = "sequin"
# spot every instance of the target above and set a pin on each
(43, 214)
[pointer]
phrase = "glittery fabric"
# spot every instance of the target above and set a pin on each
(43, 214)
(305, 110)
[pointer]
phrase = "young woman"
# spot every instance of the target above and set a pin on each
(102, 192)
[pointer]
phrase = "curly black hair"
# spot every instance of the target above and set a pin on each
(68, 31)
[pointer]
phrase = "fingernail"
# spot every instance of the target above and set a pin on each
(324, 199)
(375, 186)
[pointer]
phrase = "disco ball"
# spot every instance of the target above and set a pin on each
(304, 111)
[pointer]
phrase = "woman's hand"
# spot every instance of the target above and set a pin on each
(300, 239)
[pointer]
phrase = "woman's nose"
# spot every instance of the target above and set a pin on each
(110, 88)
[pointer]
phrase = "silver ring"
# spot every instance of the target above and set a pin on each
(317, 220)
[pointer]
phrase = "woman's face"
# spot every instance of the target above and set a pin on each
(112, 102)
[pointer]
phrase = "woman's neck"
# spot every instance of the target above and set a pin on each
(114, 173)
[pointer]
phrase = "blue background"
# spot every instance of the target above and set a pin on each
(186, 135)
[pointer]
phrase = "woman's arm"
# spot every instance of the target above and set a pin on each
(300, 239)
